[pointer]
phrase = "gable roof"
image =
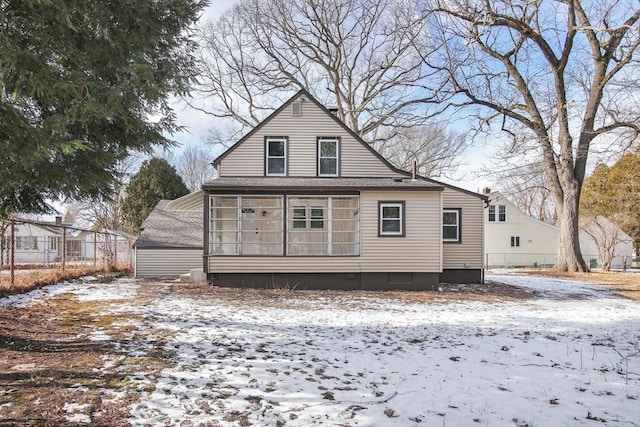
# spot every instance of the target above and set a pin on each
(497, 197)
(305, 93)
(166, 229)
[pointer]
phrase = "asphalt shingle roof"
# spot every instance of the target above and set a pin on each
(171, 229)
(311, 183)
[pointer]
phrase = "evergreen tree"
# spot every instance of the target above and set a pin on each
(155, 181)
(79, 80)
(614, 192)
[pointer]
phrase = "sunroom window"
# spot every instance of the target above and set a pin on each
(315, 226)
(331, 228)
(246, 225)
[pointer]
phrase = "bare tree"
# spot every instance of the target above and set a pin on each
(356, 55)
(436, 150)
(547, 72)
(606, 237)
(194, 166)
(107, 212)
(527, 186)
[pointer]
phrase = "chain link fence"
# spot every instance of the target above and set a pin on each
(30, 244)
(537, 260)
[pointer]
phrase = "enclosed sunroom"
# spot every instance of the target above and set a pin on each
(314, 232)
(282, 225)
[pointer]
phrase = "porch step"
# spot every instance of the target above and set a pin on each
(194, 276)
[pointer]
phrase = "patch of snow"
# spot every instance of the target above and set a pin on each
(126, 288)
(75, 413)
(549, 361)
(98, 336)
(21, 300)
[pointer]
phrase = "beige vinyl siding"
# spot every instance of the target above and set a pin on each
(467, 254)
(247, 159)
(418, 251)
(166, 262)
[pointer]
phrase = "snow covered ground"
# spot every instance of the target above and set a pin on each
(569, 356)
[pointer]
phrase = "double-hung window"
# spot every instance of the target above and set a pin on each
(276, 156)
(391, 218)
(497, 213)
(451, 225)
(328, 149)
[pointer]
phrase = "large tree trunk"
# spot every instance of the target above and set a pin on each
(569, 254)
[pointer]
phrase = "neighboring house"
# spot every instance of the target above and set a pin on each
(302, 202)
(33, 244)
(42, 242)
(612, 240)
(514, 239)
(170, 240)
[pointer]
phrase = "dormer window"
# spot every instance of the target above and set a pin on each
(276, 156)
(328, 149)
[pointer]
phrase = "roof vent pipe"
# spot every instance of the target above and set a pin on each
(413, 173)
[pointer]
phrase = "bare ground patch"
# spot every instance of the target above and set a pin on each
(626, 284)
(62, 363)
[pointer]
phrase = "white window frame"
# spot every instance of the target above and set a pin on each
(335, 140)
(457, 225)
(268, 155)
(499, 213)
(382, 218)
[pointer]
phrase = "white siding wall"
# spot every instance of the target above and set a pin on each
(356, 160)
(469, 253)
(538, 240)
(166, 262)
(419, 251)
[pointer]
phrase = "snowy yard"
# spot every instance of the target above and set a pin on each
(568, 355)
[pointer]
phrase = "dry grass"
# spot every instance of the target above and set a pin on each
(25, 282)
(626, 284)
(48, 360)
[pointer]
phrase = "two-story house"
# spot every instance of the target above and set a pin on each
(514, 239)
(302, 201)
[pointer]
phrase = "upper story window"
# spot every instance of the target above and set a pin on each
(276, 156)
(497, 213)
(451, 225)
(328, 149)
(391, 218)
(296, 109)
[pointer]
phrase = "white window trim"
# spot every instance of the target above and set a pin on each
(268, 156)
(496, 213)
(381, 217)
(337, 156)
(457, 212)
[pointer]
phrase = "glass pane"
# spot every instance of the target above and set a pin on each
(450, 233)
(276, 149)
(328, 166)
(344, 249)
(450, 218)
(390, 225)
(275, 166)
(328, 149)
(391, 212)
